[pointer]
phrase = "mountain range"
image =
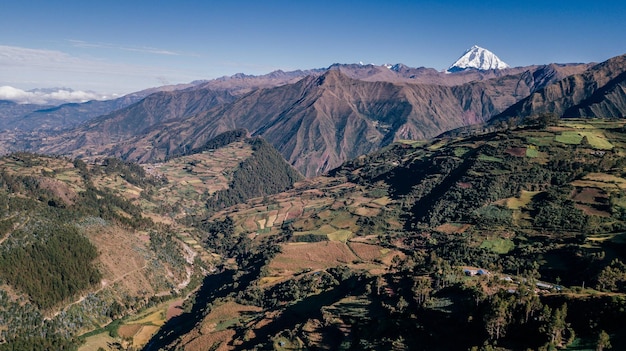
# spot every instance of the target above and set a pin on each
(600, 91)
(317, 119)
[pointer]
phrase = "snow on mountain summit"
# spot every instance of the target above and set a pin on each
(477, 58)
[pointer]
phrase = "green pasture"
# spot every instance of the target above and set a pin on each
(569, 137)
(532, 152)
(339, 235)
(460, 151)
(540, 141)
(595, 138)
(487, 158)
(498, 245)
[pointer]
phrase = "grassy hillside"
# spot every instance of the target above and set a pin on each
(507, 240)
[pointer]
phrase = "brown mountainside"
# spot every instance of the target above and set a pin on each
(316, 123)
(422, 75)
(137, 119)
(240, 83)
(28, 117)
(320, 122)
(598, 92)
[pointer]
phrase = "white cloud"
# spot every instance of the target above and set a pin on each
(144, 49)
(48, 97)
(26, 68)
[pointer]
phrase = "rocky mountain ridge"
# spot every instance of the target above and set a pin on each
(31, 117)
(317, 122)
(597, 92)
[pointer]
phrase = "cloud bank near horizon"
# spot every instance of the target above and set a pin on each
(25, 68)
(49, 96)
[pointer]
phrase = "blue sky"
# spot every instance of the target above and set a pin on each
(124, 46)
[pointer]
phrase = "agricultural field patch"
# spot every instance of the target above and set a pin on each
(540, 140)
(366, 252)
(155, 316)
(414, 143)
(217, 341)
(69, 176)
(600, 238)
(460, 151)
(359, 201)
(581, 183)
(452, 228)
(603, 181)
(591, 211)
(320, 255)
(532, 152)
(339, 235)
(383, 201)
(95, 342)
(144, 335)
(229, 311)
(569, 137)
(128, 331)
(525, 197)
(437, 145)
(305, 224)
(324, 214)
(488, 158)
(271, 219)
(498, 245)
(261, 223)
(326, 229)
(578, 125)
(343, 220)
(270, 280)
(605, 178)
(249, 224)
(597, 140)
(174, 309)
(215, 331)
(516, 151)
(133, 193)
(351, 306)
(196, 176)
(591, 196)
(294, 212)
(366, 211)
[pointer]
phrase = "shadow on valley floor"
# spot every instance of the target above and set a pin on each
(214, 286)
(298, 313)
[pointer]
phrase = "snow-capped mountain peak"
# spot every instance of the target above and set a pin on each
(477, 58)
